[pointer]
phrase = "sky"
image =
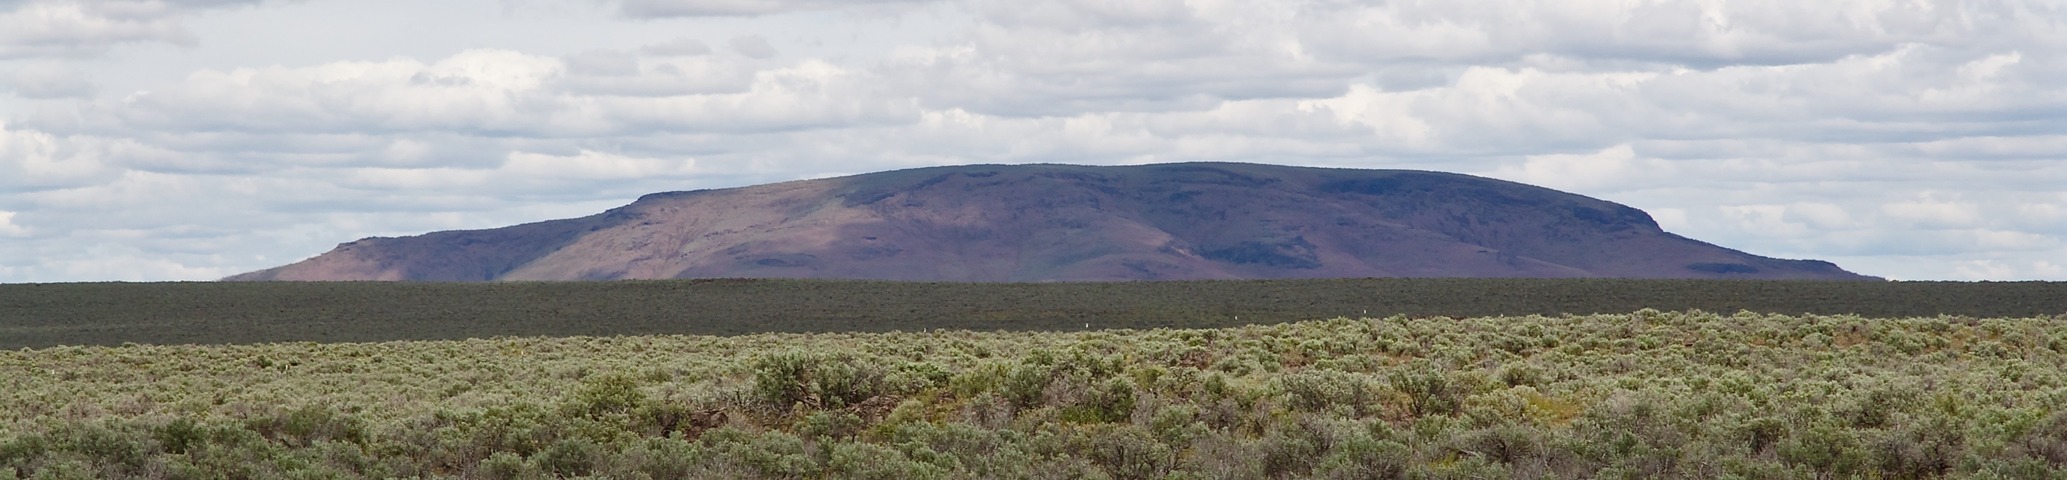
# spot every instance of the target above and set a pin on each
(148, 140)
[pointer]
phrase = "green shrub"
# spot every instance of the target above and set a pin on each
(980, 451)
(523, 428)
(569, 457)
(1293, 449)
(1025, 384)
(864, 461)
(1129, 452)
(1322, 390)
(178, 435)
(1362, 457)
(1826, 449)
(982, 378)
(1108, 402)
(1221, 456)
(651, 458)
(906, 411)
(606, 395)
(1761, 433)
(1428, 390)
(1523, 374)
(1474, 468)
(1669, 395)
(120, 451)
(829, 426)
(308, 424)
(772, 454)
(784, 380)
(2045, 442)
(1920, 450)
(1177, 424)
(69, 468)
(17, 451)
(1879, 407)
(1509, 444)
(914, 377)
(506, 466)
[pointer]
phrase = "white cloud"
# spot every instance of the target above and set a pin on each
(726, 8)
(589, 165)
(1771, 220)
(1912, 139)
(481, 90)
(1929, 212)
(1984, 269)
(32, 160)
(1696, 34)
(680, 47)
(1822, 216)
(2044, 269)
(1670, 219)
(754, 46)
(499, 93)
(140, 267)
(1614, 168)
(659, 77)
(79, 28)
(2052, 214)
(8, 228)
(1061, 58)
(57, 29)
(525, 173)
(46, 81)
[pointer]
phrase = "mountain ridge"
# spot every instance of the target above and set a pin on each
(1050, 222)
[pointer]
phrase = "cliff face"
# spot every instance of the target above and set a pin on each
(1055, 222)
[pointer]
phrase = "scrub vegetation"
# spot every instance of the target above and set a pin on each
(1648, 394)
(41, 315)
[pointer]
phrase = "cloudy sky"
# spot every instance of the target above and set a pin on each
(193, 139)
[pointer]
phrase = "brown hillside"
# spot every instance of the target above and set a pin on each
(1058, 222)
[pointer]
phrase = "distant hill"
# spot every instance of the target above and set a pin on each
(1060, 223)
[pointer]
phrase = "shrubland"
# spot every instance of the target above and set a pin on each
(1648, 394)
(45, 315)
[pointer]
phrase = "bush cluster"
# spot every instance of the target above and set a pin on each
(44, 315)
(1643, 395)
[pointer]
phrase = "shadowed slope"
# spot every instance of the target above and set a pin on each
(1055, 222)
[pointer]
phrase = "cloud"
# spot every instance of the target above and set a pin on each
(197, 227)
(1911, 139)
(482, 90)
(133, 267)
(1930, 212)
(622, 74)
(734, 8)
(588, 165)
(680, 47)
(500, 93)
(1872, 222)
(754, 46)
(1062, 58)
(70, 29)
(48, 81)
(1613, 166)
(1822, 216)
(528, 173)
(32, 160)
(8, 228)
(1701, 35)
